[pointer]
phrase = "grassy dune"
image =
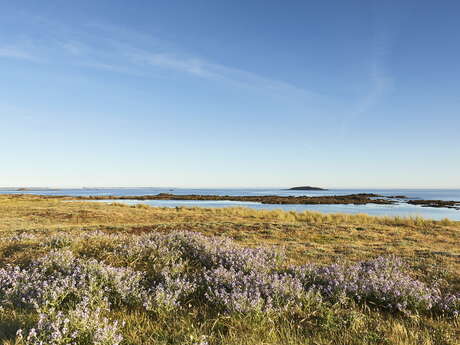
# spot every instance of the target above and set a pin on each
(31, 227)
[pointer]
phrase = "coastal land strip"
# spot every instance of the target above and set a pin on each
(356, 199)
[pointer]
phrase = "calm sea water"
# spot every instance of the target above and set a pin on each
(371, 209)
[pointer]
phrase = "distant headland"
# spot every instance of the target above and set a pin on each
(306, 188)
(35, 189)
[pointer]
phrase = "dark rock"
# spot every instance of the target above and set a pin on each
(436, 203)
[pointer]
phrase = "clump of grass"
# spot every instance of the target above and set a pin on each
(141, 206)
(335, 218)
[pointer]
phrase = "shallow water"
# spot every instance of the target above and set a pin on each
(371, 209)
(403, 210)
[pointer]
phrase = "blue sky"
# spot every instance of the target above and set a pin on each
(230, 93)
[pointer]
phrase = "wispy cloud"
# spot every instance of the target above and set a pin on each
(207, 70)
(146, 51)
(74, 48)
(192, 66)
(16, 53)
(378, 81)
(115, 49)
(379, 78)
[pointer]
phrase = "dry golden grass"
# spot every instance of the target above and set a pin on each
(430, 247)
(306, 236)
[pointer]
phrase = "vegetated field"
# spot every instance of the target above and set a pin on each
(93, 273)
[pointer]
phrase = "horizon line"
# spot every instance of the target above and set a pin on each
(208, 187)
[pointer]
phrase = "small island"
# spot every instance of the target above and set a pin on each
(35, 189)
(30, 189)
(306, 188)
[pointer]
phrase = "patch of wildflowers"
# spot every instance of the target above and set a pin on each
(82, 325)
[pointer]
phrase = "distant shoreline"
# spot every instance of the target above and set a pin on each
(355, 199)
(32, 189)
